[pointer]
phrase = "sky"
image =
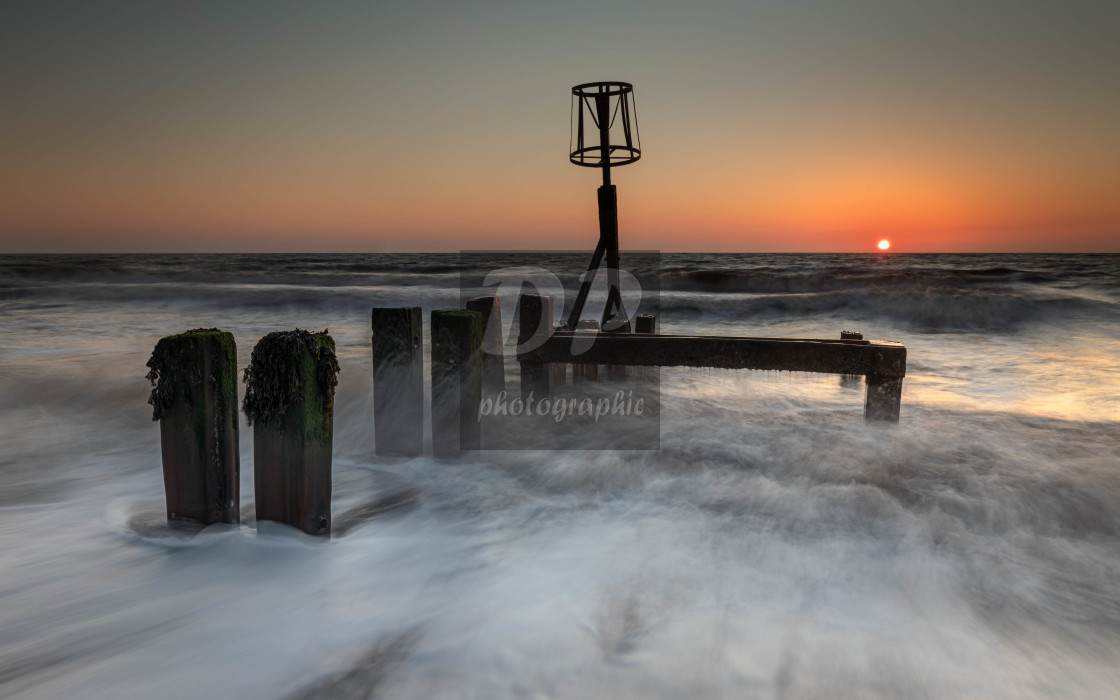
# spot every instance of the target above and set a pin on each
(794, 126)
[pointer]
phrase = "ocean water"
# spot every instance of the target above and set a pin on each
(776, 546)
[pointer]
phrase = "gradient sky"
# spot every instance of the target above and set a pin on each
(975, 125)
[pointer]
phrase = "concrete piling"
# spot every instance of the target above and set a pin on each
(289, 400)
(456, 380)
(194, 398)
(398, 380)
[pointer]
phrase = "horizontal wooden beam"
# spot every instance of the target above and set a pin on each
(878, 358)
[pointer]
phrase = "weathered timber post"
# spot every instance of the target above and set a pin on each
(850, 381)
(493, 358)
(647, 324)
(535, 313)
(289, 400)
(398, 380)
(194, 397)
(582, 373)
(456, 381)
(883, 400)
(557, 371)
(618, 372)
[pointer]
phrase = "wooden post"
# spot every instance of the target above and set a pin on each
(882, 362)
(586, 373)
(620, 372)
(493, 358)
(557, 371)
(398, 380)
(194, 397)
(883, 397)
(850, 381)
(456, 380)
(289, 401)
(866, 357)
(883, 400)
(533, 311)
(646, 323)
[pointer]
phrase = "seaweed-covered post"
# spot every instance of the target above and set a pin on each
(289, 400)
(493, 358)
(194, 398)
(398, 380)
(456, 380)
(535, 313)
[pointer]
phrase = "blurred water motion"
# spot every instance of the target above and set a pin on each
(776, 546)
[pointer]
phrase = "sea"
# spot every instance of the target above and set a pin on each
(775, 545)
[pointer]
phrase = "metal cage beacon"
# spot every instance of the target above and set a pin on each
(604, 133)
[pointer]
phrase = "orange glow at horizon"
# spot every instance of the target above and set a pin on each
(813, 206)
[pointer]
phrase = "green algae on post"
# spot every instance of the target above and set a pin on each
(194, 397)
(279, 374)
(289, 401)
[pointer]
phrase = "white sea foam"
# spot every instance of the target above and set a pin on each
(776, 546)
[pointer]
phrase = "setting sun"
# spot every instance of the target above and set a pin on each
(884, 244)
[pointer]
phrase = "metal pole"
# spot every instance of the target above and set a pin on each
(608, 218)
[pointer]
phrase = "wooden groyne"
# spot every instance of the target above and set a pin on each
(881, 362)
(292, 376)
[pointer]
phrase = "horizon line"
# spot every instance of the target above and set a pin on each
(566, 251)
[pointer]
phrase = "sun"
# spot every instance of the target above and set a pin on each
(884, 244)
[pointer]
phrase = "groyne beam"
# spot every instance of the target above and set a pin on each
(882, 362)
